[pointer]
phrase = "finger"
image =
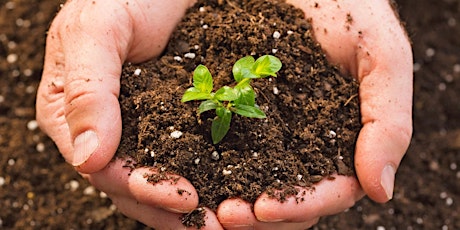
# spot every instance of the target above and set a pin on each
(238, 214)
(176, 194)
(159, 218)
(387, 128)
(326, 198)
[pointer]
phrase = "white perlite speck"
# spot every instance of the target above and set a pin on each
(73, 185)
(190, 55)
(137, 72)
(417, 67)
(103, 195)
(276, 35)
(449, 201)
(177, 58)
(12, 58)
(32, 125)
(176, 134)
(90, 190)
(456, 68)
(226, 172)
(10, 5)
(28, 72)
(331, 134)
(451, 22)
(2, 181)
(430, 52)
(40, 147)
(215, 155)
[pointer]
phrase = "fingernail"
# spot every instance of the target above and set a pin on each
(272, 220)
(175, 210)
(243, 227)
(84, 146)
(387, 180)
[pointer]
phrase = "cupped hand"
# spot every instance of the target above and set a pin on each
(77, 101)
(366, 40)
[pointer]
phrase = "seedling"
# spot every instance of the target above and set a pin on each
(240, 99)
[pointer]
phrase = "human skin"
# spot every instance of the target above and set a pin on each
(77, 106)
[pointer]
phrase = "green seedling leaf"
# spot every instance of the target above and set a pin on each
(240, 99)
(242, 68)
(220, 124)
(247, 94)
(195, 94)
(266, 65)
(206, 106)
(202, 79)
(226, 94)
(220, 111)
(248, 111)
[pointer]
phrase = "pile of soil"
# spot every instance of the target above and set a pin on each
(38, 190)
(312, 111)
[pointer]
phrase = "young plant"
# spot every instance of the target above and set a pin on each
(240, 99)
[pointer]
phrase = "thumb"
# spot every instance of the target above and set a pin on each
(386, 110)
(95, 47)
(77, 102)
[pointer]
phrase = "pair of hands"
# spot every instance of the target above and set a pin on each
(77, 106)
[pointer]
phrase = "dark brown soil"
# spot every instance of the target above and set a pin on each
(38, 190)
(312, 112)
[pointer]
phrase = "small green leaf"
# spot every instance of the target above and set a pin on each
(242, 68)
(226, 94)
(266, 65)
(207, 105)
(220, 111)
(249, 111)
(220, 125)
(195, 94)
(202, 79)
(247, 94)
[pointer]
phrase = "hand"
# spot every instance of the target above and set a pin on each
(366, 40)
(77, 101)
